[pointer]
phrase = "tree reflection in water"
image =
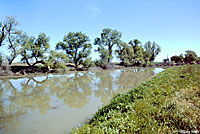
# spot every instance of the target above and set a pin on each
(74, 90)
(105, 86)
(131, 78)
(16, 102)
(18, 97)
(119, 81)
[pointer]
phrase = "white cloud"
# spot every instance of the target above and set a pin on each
(93, 11)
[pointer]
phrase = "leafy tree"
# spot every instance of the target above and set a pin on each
(177, 59)
(56, 60)
(13, 38)
(138, 52)
(9, 32)
(105, 43)
(3, 32)
(151, 50)
(88, 63)
(134, 54)
(125, 53)
(190, 57)
(103, 55)
(76, 46)
(34, 49)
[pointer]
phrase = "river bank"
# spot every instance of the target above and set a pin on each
(21, 70)
(167, 103)
(55, 103)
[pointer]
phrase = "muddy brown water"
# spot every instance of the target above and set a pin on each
(54, 104)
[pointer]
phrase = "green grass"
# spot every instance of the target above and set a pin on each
(167, 103)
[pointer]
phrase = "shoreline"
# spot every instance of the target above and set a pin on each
(16, 75)
(17, 71)
(167, 103)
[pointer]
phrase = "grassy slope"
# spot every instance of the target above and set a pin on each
(167, 103)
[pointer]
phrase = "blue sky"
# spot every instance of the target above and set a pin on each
(173, 24)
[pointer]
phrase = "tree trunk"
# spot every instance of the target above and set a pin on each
(27, 62)
(12, 47)
(110, 55)
(3, 35)
(76, 65)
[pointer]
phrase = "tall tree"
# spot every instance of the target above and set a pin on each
(151, 50)
(105, 43)
(76, 46)
(3, 32)
(13, 38)
(34, 49)
(125, 53)
(138, 52)
(10, 35)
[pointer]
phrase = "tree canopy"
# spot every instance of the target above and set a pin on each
(34, 49)
(151, 50)
(76, 46)
(3, 32)
(56, 60)
(138, 52)
(190, 57)
(134, 53)
(177, 59)
(9, 35)
(105, 43)
(125, 53)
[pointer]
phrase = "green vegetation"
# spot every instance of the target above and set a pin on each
(76, 49)
(125, 53)
(34, 49)
(76, 46)
(167, 103)
(12, 34)
(56, 60)
(135, 54)
(109, 38)
(177, 59)
(151, 50)
(189, 58)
